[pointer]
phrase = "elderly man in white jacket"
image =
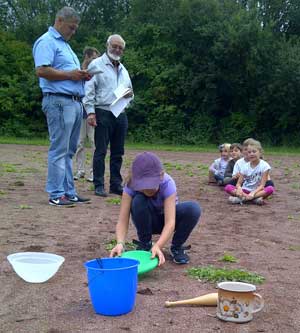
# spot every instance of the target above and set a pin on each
(110, 76)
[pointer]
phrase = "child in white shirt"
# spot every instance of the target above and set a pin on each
(251, 185)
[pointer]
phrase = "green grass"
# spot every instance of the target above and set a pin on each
(24, 141)
(227, 257)
(215, 274)
(114, 201)
(212, 148)
(111, 244)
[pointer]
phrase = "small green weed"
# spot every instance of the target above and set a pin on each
(111, 244)
(215, 274)
(91, 187)
(19, 183)
(114, 201)
(295, 186)
(29, 170)
(227, 257)
(2, 193)
(8, 167)
(294, 247)
(178, 166)
(24, 207)
(203, 167)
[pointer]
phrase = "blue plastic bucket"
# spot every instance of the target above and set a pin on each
(112, 284)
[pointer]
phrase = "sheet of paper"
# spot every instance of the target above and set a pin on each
(119, 105)
(121, 91)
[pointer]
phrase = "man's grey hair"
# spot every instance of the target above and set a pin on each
(67, 14)
(115, 36)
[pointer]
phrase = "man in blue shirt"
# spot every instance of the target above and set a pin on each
(62, 84)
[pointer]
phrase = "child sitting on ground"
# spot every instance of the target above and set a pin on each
(251, 185)
(235, 154)
(150, 197)
(241, 162)
(218, 167)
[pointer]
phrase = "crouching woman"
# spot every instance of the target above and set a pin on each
(150, 198)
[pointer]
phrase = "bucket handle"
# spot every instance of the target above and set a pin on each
(99, 262)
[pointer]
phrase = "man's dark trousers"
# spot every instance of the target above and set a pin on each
(109, 130)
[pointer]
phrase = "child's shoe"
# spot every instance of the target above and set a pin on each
(259, 201)
(235, 200)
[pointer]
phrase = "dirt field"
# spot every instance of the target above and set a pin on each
(264, 239)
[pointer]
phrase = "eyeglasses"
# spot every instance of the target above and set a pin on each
(115, 47)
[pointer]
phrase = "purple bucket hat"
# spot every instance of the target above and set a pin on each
(146, 172)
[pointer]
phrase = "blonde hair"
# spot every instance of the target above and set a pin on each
(257, 144)
(249, 141)
(225, 146)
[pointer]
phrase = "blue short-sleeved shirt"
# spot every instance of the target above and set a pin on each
(52, 50)
(167, 187)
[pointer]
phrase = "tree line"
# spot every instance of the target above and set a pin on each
(203, 71)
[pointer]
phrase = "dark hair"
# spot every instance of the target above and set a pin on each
(88, 51)
(236, 145)
(67, 13)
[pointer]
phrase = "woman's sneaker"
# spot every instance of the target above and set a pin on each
(235, 200)
(179, 255)
(61, 201)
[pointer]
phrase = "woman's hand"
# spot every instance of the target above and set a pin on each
(156, 252)
(117, 250)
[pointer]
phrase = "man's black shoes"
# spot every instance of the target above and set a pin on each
(116, 190)
(100, 191)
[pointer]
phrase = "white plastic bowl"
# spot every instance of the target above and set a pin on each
(35, 267)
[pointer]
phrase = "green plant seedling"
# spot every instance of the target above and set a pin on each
(29, 170)
(111, 244)
(91, 187)
(227, 257)
(24, 207)
(216, 274)
(114, 201)
(178, 166)
(290, 217)
(19, 183)
(2, 193)
(203, 167)
(8, 167)
(294, 247)
(295, 186)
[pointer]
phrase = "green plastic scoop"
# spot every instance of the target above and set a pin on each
(144, 257)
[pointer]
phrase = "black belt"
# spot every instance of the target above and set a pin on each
(73, 97)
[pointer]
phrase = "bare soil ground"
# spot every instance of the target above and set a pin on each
(264, 239)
